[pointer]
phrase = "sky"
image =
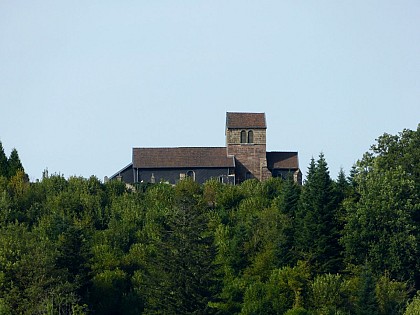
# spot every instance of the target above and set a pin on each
(83, 82)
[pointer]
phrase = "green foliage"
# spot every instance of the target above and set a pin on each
(13, 163)
(285, 289)
(366, 303)
(413, 308)
(287, 203)
(30, 281)
(380, 229)
(297, 311)
(77, 246)
(4, 166)
(182, 265)
(328, 295)
(391, 295)
(317, 225)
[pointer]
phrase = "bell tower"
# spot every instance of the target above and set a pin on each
(246, 140)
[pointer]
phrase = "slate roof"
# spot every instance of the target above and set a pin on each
(282, 160)
(183, 157)
(245, 120)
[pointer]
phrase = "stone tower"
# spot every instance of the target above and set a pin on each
(246, 140)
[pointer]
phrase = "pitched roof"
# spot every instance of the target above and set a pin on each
(181, 157)
(245, 120)
(282, 160)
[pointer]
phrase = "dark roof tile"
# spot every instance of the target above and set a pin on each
(181, 157)
(282, 160)
(245, 120)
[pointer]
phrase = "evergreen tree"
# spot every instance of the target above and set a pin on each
(317, 228)
(287, 203)
(352, 176)
(184, 257)
(366, 299)
(4, 167)
(14, 163)
(72, 258)
(341, 186)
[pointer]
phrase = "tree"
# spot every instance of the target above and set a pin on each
(341, 187)
(183, 263)
(379, 229)
(30, 283)
(287, 203)
(317, 227)
(4, 166)
(366, 299)
(14, 163)
(413, 308)
(402, 150)
(383, 220)
(327, 294)
(391, 295)
(286, 288)
(72, 258)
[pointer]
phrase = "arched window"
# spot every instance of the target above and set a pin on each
(250, 136)
(243, 136)
(191, 174)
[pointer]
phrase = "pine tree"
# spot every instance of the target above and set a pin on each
(4, 167)
(183, 263)
(14, 163)
(341, 186)
(287, 203)
(366, 301)
(317, 228)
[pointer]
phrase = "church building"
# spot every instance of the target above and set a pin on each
(244, 157)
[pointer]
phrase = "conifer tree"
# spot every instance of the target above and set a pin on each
(4, 168)
(287, 203)
(184, 258)
(14, 163)
(366, 301)
(341, 186)
(317, 232)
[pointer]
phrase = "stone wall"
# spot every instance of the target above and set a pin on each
(233, 136)
(251, 160)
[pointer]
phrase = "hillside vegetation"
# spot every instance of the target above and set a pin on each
(344, 246)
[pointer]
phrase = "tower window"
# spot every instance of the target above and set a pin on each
(243, 136)
(250, 136)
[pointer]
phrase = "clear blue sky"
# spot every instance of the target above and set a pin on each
(82, 82)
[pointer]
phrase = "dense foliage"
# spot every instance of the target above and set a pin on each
(344, 246)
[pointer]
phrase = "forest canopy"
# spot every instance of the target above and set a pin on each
(348, 245)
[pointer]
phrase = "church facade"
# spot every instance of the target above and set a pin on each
(244, 157)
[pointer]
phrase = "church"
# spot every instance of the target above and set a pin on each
(244, 157)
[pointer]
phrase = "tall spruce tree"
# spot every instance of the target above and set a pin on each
(14, 163)
(366, 303)
(184, 258)
(317, 231)
(287, 203)
(4, 166)
(341, 186)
